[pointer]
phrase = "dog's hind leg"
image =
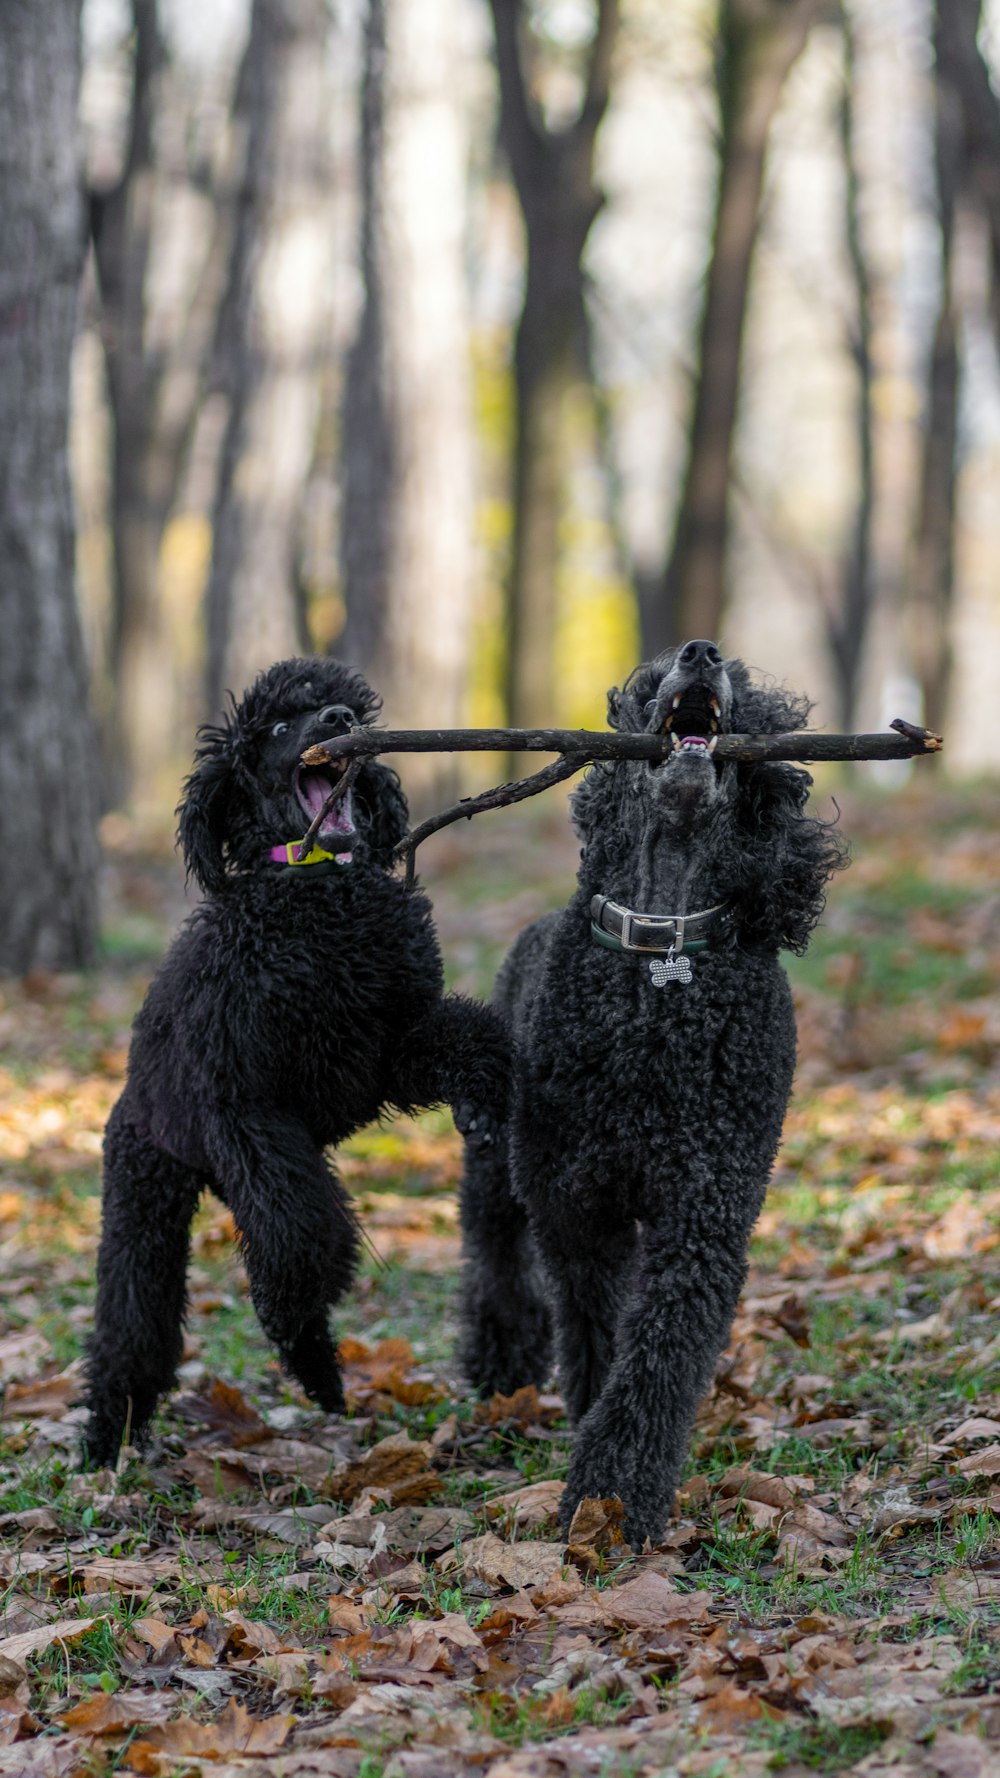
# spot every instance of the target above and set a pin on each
(506, 1326)
(589, 1263)
(149, 1200)
(299, 1240)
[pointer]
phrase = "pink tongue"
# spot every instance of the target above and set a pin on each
(315, 788)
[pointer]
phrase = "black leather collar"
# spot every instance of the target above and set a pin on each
(623, 929)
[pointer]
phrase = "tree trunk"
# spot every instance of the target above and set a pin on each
(553, 172)
(370, 433)
(48, 854)
(154, 388)
(759, 42)
(269, 342)
(847, 622)
(956, 38)
(932, 576)
(409, 504)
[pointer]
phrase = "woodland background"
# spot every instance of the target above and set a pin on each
(491, 346)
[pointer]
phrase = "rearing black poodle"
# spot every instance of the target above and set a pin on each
(656, 1039)
(299, 1000)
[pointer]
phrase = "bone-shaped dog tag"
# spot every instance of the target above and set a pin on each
(670, 969)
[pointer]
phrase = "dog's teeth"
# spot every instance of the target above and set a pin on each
(713, 743)
(715, 726)
(677, 742)
(677, 699)
(714, 706)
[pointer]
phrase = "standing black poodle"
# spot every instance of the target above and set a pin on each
(657, 1042)
(299, 1000)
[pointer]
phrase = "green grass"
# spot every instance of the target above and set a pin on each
(819, 1746)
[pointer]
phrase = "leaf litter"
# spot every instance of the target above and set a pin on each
(271, 1592)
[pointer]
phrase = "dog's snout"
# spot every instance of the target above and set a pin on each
(339, 717)
(699, 653)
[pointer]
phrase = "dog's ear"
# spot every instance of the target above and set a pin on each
(203, 812)
(786, 857)
(387, 813)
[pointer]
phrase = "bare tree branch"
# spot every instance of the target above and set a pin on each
(907, 742)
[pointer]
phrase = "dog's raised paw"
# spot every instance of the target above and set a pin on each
(477, 1125)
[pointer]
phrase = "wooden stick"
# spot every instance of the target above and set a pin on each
(806, 745)
(578, 747)
(498, 798)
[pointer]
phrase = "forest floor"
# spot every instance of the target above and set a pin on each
(276, 1593)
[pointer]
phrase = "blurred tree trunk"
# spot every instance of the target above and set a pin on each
(154, 386)
(269, 342)
(408, 528)
(956, 41)
(369, 444)
(553, 173)
(932, 567)
(758, 44)
(48, 854)
(848, 619)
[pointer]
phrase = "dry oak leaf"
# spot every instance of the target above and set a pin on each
(453, 1630)
(22, 1354)
(517, 1565)
(755, 1484)
(652, 1602)
(16, 1720)
(559, 1591)
(34, 1642)
(597, 1527)
(523, 1409)
(398, 1464)
(235, 1731)
(969, 1433)
(408, 1530)
(104, 1715)
(153, 1631)
(111, 1574)
(386, 1370)
(982, 1463)
(48, 1398)
(223, 1409)
(962, 1230)
(54, 1757)
(526, 1508)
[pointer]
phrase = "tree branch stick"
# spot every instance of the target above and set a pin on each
(805, 745)
(498, 798)
(577, 748)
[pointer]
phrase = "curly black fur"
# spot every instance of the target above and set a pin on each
(646, 1120)
(295, 1005)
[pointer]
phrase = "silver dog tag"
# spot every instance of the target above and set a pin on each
(670, 969)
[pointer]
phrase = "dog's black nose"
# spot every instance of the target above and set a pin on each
(338, 716)
(699, 653)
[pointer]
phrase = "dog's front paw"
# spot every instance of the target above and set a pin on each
(477, 1124)
(604, 1468)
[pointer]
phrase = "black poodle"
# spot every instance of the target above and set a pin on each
(300, 999)
(656, 1038)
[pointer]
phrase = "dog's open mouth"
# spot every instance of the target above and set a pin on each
(693, 721)
(314, 783)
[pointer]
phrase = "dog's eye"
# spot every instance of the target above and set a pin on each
(280, 728)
